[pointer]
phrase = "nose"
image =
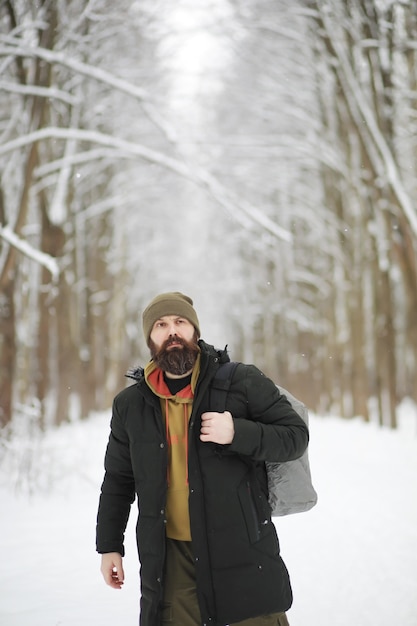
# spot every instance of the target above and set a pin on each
(172, 330)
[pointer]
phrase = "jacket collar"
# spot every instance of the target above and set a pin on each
(209, 357)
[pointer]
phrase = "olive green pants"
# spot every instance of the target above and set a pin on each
(180, 607)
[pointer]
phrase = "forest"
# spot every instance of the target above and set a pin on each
(258, 155)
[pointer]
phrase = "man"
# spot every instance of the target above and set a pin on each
(208, 549)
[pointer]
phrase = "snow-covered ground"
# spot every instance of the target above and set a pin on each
(352, 559)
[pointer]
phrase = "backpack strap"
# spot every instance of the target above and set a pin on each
(289, 483)
(220, 386)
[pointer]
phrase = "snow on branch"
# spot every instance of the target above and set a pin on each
(248, 214)
(46, 260)
(78, 159)
(242, 212)
(95, 137)
(52, 56)
(34, 90)
(355, 94)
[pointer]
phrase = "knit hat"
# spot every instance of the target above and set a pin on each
(173, 303)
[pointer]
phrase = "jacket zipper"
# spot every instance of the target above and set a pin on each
(254, 511)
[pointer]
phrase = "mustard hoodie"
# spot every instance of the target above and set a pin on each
(176, 411)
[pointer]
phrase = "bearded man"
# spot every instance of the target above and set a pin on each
(208, 549)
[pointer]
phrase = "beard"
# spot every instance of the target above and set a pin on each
(177, 361)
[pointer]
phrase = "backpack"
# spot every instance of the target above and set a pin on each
(289, 483)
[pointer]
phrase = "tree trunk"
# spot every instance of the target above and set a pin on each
(7, 351)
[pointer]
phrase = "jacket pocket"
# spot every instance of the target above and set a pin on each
(250, 496)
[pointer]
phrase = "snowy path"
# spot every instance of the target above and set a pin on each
(352, 559)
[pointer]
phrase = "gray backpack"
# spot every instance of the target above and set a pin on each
(289, 483)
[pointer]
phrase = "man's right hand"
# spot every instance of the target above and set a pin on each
(112, 569)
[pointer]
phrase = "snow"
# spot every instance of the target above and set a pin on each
(40, 257)
(352, 559)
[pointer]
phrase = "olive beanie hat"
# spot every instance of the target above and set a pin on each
(172, 303)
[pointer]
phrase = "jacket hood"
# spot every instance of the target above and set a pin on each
(137, 372)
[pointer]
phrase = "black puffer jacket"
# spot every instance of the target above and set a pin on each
(239, 571)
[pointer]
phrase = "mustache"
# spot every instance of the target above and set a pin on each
(171, 340)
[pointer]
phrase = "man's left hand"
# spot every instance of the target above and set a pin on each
(217, 427)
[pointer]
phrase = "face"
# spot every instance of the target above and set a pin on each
(170, 327)
(173, 344)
